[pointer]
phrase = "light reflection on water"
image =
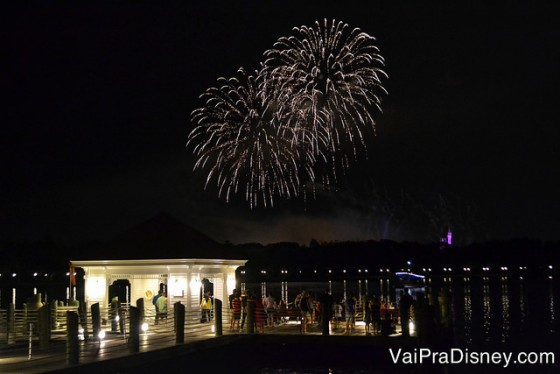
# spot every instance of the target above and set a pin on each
(522, 306)
(506, 306)
(468, 312)
(505, 310)
(551, 303)
(487, 309)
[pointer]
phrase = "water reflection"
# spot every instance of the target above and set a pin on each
(522, 306)
(505, 310)
(468, 312)
(487, 311)
(551, 304)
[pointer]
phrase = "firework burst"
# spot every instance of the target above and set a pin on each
(239, 138)
(331, 77)
(304, 114)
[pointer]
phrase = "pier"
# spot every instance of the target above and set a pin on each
(23, 350)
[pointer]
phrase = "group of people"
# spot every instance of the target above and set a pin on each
(379, 319)
(377, 316)
(315, 310)
(265, 310)
(160, 303)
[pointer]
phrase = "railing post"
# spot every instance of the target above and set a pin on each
(250, 317)
(134, 330)
(30, 352)
(11, 328)
(72, 342)
(218, 316)
(96, 320)
(25, 317)
(179, 314)
(44, 318)
(54, 306)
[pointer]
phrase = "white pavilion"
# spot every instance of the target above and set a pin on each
(162, 253)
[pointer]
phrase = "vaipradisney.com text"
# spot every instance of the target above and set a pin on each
(462, 356)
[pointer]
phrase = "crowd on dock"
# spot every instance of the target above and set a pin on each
(310, 310)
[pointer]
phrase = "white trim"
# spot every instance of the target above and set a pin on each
(160, 262)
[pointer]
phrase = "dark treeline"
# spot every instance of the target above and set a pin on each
(51, 257)
(374, 255)
(42, 256)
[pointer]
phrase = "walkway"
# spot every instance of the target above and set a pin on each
(15, 359)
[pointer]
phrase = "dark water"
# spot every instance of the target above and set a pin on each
(504, 309)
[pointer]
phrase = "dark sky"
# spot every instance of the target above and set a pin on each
(97, 99)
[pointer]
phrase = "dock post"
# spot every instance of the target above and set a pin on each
(179, 313)
(72, 342)
(134, 330)
(44, 326)
(218, 316)
(250, 317)
(82, 311)
(325, 320)
(95, 320)
(140, 306)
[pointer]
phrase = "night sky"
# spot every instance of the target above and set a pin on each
(97, 101)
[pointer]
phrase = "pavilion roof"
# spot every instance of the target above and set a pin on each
(161, 237)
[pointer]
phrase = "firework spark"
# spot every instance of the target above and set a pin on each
(239, 137)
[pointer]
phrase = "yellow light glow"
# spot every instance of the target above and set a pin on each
(230, 283)
(95, 288)
(177, 286)
(195, 285)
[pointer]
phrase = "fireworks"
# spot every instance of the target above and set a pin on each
(240, 139)
(307, 109)
(330, 76)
